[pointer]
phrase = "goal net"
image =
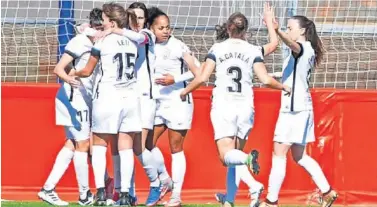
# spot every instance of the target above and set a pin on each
(30, 34)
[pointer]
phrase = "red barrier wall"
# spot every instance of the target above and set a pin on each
(346, 122)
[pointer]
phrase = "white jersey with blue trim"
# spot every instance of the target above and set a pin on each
(67, 97)
(145, 64)
(234, 69)
(169, 60)
(296, 74)
(117, 62)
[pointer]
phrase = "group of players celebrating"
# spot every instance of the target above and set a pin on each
(125, 84)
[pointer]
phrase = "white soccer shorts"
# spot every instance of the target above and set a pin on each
(148, 112)
(113, 114)
(73, 111)
(230, 119)
(295, 128)
(175, 114)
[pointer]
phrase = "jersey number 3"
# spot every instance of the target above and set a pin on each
(235, 71)
(129, 72)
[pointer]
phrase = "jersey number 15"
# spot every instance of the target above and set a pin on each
(125, 69)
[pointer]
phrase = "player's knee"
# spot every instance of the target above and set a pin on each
(175, 148)
(70, 144)
(83, 146)
(301, 160)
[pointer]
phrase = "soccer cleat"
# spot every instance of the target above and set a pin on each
(100, 197)
(175, 201)
(255, 196)
(124, 199)
(166, 187)
(220, 197)
(265, 204)
(153, 197)
(329, 198)
(89, 200)
(252, 162)
(109, 186)
(51, 197)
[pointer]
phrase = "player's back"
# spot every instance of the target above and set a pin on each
(234, 69)
(117, 61)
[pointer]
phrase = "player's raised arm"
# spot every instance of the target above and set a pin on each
(268, 20)
(293, 45)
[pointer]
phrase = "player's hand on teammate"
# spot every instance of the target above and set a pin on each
(166, 80)
(183, 96)
(287, 90)
(101, 34)
(73, 81)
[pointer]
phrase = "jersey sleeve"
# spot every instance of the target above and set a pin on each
(211, 53)
(73, 47)
(258, 57)
(96, 50)
(151, 37)
(301, 51)
(183, 48)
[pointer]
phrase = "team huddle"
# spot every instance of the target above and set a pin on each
(125, 84)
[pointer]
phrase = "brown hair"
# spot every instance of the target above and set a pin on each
(117, 13)
(311, 36)
(235, 27)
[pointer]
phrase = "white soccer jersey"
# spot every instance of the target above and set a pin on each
(117, 62)
(69, 99)
(145, 64)
(296, 74)
(169, 59)
(234, 69)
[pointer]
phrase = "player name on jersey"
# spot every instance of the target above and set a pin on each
(237, 55)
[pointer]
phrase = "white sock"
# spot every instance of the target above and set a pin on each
(244, 174)
(316, 172)
(61, 164)
(80, 160)
(231, 184)
(126, 169)
(277, 174)
(133, 186)
(178, 171)
(147, 161)
(116, 168)
(235, 157)
(99, 165)
(160, 164)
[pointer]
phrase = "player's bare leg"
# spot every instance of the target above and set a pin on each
(166, 182)
(315, 171)
(63, 159)
(176, 140)
(146, 159)
(100, 142)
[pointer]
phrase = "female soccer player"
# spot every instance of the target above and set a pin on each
(73, 108)
(232, 112)
(171, 57)
(242, 173)
(116, 112)
(295, 125)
